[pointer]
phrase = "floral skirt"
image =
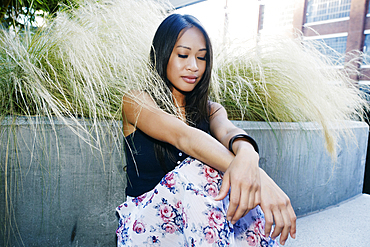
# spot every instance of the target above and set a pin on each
(181, 211)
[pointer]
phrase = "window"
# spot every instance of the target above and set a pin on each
(333, 47)
(322, 10)
(366, 49)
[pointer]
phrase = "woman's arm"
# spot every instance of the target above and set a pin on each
(243, 174)
(274, 202)
(143, 113)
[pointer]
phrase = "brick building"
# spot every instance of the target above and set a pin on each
(344, 25)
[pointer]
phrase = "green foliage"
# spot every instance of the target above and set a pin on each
(81, 63)
(19, 13)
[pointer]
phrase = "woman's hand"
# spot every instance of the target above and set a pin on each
(276, 206)
(243, 176)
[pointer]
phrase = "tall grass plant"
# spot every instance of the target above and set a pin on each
(81, 63)
(289, 80)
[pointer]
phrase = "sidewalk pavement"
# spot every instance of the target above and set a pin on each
(344, 225)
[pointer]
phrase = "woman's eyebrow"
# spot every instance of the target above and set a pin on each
(182, 46)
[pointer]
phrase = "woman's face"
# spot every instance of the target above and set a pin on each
(187, 62)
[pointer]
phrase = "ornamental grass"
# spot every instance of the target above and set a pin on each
(80, 64)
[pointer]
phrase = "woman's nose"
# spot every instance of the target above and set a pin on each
(192, 64)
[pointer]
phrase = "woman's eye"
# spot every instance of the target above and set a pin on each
(202, 58)
(183, 56)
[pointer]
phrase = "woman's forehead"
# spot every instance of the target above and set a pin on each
(191, 38)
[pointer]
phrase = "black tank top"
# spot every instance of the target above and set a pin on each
(144, 171)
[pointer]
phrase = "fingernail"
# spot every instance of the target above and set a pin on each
(229, 218)
(293, 235)
(283, 242)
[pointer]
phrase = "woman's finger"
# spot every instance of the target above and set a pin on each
(269, 220)
(243, 207)
(257, 198)
(293, 220)
(252, 204)
(287, 226)
(225, 186)
(234, 202)
(251, 201)
(279, 223)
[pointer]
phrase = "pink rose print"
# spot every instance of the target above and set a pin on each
(169, 227)
(216, 218)
(179, 205)
(170, 180)
(139, 199)
(181, 210)
(210, 234)
(138, 227)
(210, 173)
(259, 227)
(211, 189)
(252, 239)
(142, 197)
(166, 212)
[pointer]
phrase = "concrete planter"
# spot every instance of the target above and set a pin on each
(56, 190)
(294, 155)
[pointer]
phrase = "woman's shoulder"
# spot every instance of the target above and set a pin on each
(138, 97)
(214, 107)
(135, 100)
(132, 102)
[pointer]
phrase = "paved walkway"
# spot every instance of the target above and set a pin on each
(344, 225)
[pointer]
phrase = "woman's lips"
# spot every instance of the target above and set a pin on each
(189, 79)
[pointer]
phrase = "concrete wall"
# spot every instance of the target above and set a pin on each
(56, 190)
(294, 155)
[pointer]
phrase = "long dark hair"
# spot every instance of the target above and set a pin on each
(164, 40)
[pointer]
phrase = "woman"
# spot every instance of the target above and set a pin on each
(174, 199)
